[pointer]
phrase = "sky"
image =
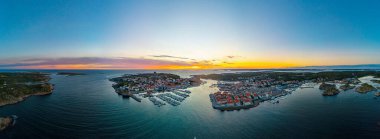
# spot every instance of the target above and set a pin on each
(187, 34)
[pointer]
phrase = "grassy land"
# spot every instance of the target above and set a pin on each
(14, 87)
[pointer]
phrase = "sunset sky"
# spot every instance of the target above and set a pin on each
(193, 34)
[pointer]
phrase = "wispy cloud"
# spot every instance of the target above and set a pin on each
(169, 56)
(232, 57)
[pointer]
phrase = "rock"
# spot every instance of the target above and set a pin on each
(331, 92)
(365, 88)
(5, 122)
(325, 86)
(329, 89)
(347, 87)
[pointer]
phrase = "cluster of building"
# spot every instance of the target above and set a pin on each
(152, 82)
(153, 85)
(248, 93)
(228, 99)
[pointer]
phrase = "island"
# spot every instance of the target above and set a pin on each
(6, 122)
(365, 88)
(243, 90)
(70, 73)
(15, 87)
(329, 89)
(167, 87)
(346, 87)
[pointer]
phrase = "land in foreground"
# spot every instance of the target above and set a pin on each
(15, 87)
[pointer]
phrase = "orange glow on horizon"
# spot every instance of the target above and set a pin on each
(190, 66)
(232, 65)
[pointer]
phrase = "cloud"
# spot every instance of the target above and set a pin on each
(169, 56)
(232, 57)
(90, 62)
(229, 63)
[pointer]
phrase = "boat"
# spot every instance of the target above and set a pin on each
(156, 102)
(180, 94)
(377, 94)
(186, 91)
(14, 117)
(136, 98)
(166, 98)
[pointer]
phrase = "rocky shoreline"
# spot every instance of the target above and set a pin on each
(365, 88)
(16, 87)
(6, 122)
(329, 89)
(22, 98)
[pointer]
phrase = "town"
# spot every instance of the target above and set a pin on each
(249, 93)
(169, 88)
(248, 89)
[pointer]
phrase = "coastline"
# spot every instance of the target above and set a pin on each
(20, 99)
(148, 84)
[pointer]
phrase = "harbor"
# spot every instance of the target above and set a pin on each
(156, 102)
(169, 88)
(173, 98)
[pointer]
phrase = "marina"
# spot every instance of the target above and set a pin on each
(156, 102)
(177, 98)
(181, 94)
(168, 100)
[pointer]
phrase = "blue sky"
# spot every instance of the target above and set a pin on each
(204, 32)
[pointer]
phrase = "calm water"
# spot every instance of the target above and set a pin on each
(88, 107)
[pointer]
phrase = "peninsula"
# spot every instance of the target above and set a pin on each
(15, 87)
(153, 85)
